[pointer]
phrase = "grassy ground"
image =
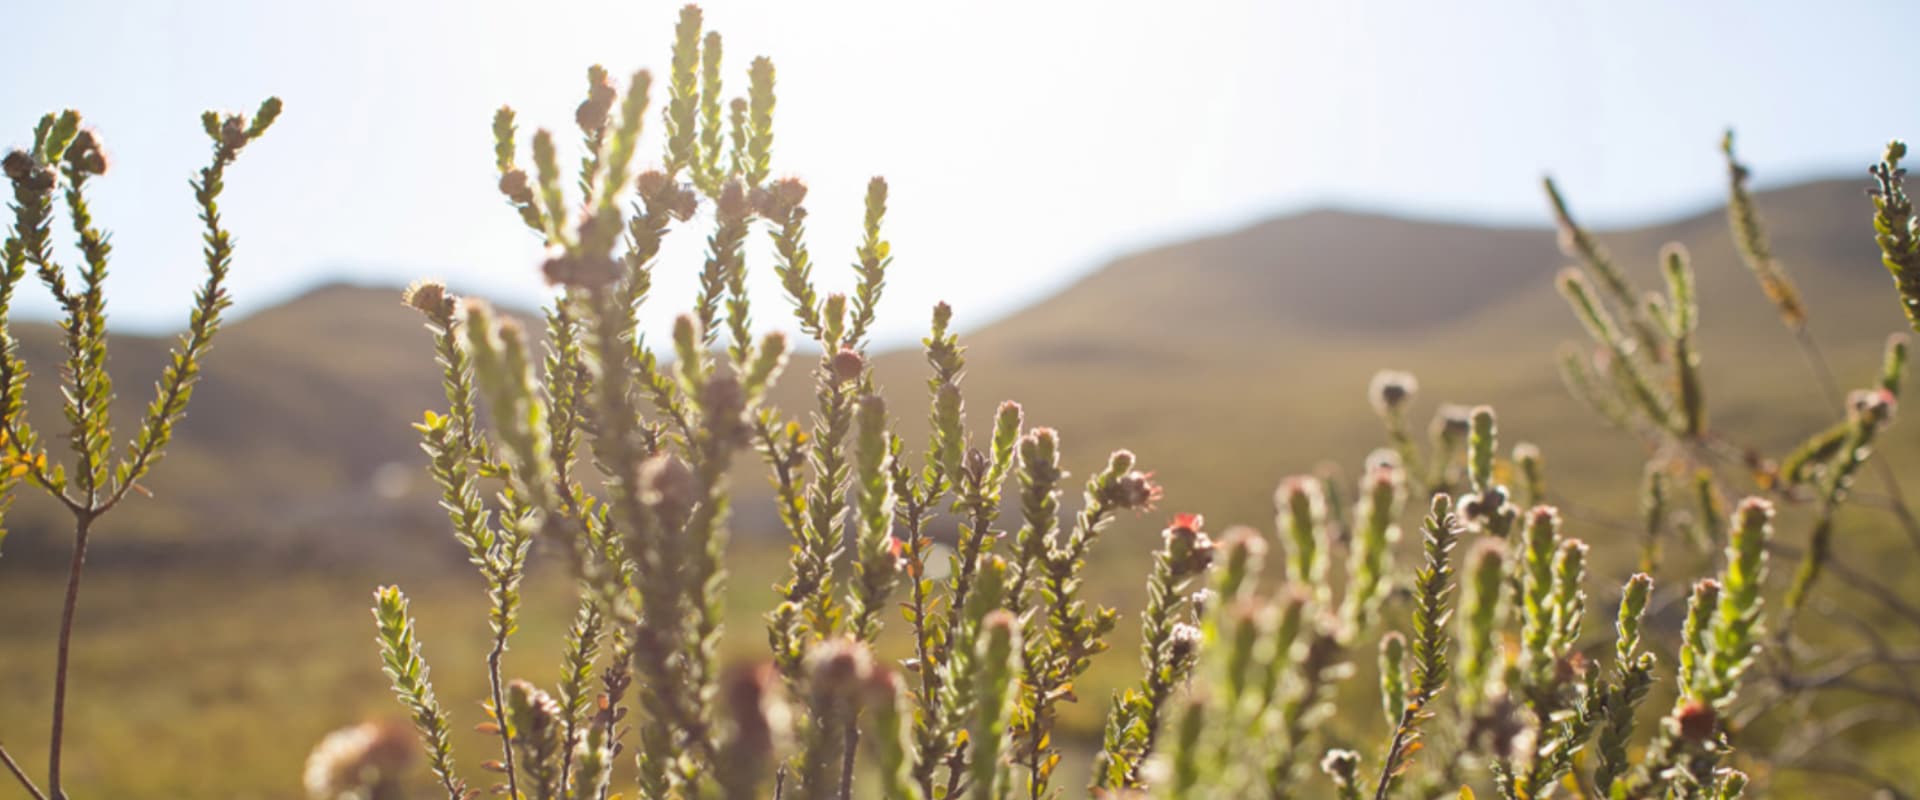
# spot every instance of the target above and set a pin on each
(203, 684)
(208, 684)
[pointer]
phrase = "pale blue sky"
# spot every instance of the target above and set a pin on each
(1026, 141)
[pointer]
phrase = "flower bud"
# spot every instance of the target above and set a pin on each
(1343, 766)
(1189, 550)
(17, 165)
(779, 199)
(1202, 601)
(1452, 423)
(838, 667)
(1382, 458)
(1696, 721)
(667, 487)
(1134, 491)
(848, 365)
(531, 710)
(1390, 390)
(1183, 643)
(977, 464)
(732, 203)
(86, 155)
(517, 186)
(652, 184)
(1490, 505)
(352, 762)
(580, 271)
(754, 709)
(428, 297)
(592, 112)
(1872, 407)
(233, 132)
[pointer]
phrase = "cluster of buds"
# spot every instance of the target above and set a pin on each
(662, 194)
(1134, 490)
(780, 199)
(1490, 510)
(757, 723)
(536, 724)
(1873, 408)
(363, 761)
(838, 674)
(667, 487)
(517, 186)
(836, 669)
(85, 155)
(1189, 549)
(724, 401)
(732, 204)
(1696, 721)
(430, 298)
(592, 113)
(1390, 390)
(234, 131)
(27, 173)
(580, 270)
(1451, 424)
(1184, 645)
(848, 365)
(1897, 229)
(1343, 767)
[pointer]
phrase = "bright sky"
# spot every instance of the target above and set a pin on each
(1026, 142)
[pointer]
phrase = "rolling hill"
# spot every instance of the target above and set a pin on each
(1225, 361)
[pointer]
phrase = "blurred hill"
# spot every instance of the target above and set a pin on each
(1225, 362)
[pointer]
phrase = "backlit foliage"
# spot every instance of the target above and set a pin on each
(619, 457)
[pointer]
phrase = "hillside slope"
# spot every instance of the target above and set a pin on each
(1225, 361)
(1230, 360)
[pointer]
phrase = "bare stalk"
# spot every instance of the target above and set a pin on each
(497, 686)
(83, 525)
(20, 774)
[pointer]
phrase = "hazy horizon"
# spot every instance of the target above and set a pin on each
(998, 131)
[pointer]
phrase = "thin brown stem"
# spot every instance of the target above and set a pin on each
(83, 525)
(848, 758)
(20, 774)
(1817, 358)
(500, 710)
(1396, 751)
(1823, 371)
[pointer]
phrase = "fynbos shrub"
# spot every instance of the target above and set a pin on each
(619, 457)
(63, 160)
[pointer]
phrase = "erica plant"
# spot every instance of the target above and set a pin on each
(64, 159)
(617, 458)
